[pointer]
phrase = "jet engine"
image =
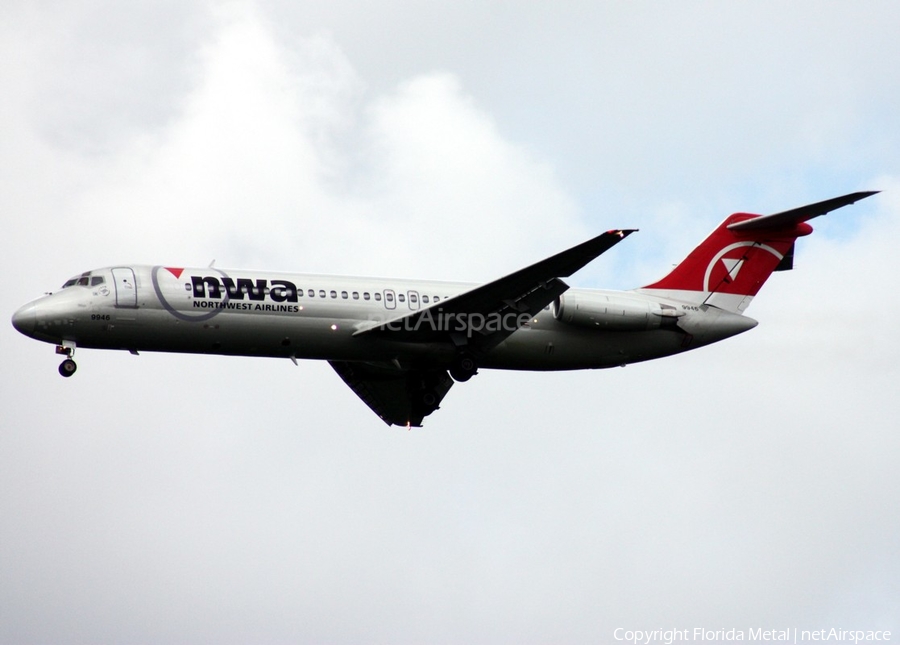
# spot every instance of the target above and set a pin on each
(613, 312)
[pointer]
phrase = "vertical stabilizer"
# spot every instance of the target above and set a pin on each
(731, 265)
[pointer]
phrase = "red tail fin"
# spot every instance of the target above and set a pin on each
(732, 264)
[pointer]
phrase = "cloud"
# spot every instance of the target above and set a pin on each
(108, 72)
(263, 166)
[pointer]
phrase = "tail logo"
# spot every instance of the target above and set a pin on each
(732, 266)
(733, 258)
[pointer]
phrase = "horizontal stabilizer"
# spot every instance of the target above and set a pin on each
(788, 219)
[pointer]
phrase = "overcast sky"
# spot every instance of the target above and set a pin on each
(185, 499)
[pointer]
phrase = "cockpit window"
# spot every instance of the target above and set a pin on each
(85, 280)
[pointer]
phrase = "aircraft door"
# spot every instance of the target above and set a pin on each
(126, 287)
(413, 299)
(390, 299)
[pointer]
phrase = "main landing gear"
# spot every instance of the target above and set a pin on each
(463, 368)
(68, 366)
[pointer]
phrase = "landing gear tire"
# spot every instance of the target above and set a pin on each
(423, 404)
(463, 368)
(67, 367)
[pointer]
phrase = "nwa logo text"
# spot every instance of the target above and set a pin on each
(228, 293)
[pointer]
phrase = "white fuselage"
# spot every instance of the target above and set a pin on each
(299, 316)
(401, 344)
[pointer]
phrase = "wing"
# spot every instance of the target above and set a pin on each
(399, 397)
(524, 293)
(406, 396)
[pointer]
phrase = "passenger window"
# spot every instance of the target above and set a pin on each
(344, 295)
(425, 299)
(311, 293)
(365, 295)
(413, 299)
(321, 293)
(333, 293)
(401, 297)
(356, 295)
(437, 298)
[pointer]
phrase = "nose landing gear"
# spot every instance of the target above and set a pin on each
(68, 366)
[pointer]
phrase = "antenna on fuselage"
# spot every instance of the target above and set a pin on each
(212, 264)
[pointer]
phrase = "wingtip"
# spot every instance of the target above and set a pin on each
(852, 198)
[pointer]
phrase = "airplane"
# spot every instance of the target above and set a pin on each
(401, 344)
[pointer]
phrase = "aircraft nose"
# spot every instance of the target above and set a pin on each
(23, 320)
